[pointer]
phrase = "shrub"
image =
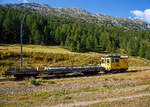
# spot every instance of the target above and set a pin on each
(67, 97)
(106, 86)
(51, 82)
(115, 79)
(106, 79)
(33, 81)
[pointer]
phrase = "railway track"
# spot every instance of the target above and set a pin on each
(7, 79)
(68, 76)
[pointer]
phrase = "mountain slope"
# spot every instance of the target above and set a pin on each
(74, 30)
(78, 13)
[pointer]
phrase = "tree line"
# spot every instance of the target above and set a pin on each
(73, 34)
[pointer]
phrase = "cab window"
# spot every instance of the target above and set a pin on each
(113, 61)
(107, 61)
(117, 60)
(102, 60)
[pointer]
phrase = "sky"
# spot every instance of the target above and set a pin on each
(118, 8)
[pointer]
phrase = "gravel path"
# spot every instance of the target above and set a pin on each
(31, 88)
(86, 103)
(126, 90)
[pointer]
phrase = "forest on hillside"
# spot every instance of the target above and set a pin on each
(75, 35)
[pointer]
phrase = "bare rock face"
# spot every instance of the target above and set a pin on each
(78, 13)
(72, 10)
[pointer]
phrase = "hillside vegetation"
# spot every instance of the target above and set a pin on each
(76, 35)
(37, 55)
(82, 14)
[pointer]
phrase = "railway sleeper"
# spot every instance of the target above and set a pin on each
(88, 73)
(23, 76)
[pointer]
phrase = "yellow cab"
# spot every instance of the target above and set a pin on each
(115, 62)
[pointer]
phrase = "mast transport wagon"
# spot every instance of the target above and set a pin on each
(109, 63)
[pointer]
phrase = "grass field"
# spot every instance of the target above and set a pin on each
(36, 55)
(72, 91)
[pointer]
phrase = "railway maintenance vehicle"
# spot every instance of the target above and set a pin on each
(109, 63)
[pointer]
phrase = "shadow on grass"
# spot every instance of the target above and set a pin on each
(81, 75)
(143, 70)
(1, 44)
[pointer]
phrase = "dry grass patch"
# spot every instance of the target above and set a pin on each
(135, 102)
